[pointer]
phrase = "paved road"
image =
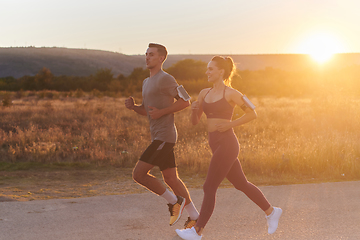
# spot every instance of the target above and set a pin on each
(311, 211)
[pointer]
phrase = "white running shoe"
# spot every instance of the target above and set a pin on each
(188, 234)
(273, 220)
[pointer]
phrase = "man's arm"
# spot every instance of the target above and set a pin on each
(140, 109)
(130, 104)
(179, 105)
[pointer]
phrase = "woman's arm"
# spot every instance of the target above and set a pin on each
(236, 97)
(249, 115)
(196, 109)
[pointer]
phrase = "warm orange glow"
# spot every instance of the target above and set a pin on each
(321, 46)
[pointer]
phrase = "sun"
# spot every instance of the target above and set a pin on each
(321, 46)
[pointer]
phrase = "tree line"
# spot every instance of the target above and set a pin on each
(191, 74)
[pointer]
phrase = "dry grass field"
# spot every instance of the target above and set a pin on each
(293, 140)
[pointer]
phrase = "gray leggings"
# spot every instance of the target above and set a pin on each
(225, 164)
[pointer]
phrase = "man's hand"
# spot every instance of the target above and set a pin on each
(155, 113)
(130, 103)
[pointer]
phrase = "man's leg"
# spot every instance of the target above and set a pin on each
(150, 158)
(142, 176)
(172, 179)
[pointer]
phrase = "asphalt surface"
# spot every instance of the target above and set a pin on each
(311, 211)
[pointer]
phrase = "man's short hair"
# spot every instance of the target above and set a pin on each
(161, 49)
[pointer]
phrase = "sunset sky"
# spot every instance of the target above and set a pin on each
(186, 26)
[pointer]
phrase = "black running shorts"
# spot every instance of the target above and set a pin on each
(160, 154)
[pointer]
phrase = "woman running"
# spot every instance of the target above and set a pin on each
(218, 104)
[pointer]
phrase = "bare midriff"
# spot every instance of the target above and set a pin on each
(212, 122)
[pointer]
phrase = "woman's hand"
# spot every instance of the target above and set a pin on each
(195, 106)
(223, 127)
(196, 112)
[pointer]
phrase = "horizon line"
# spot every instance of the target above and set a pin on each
(141, 54)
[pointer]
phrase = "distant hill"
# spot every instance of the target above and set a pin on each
(18, 62)
(288, 62)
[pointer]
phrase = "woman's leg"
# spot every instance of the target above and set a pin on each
(237, 177)
(221, 162)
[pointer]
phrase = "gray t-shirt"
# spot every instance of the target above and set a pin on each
(159, 91)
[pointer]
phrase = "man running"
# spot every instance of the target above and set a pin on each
(159, 92)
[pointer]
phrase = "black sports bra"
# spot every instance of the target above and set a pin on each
(219, 109)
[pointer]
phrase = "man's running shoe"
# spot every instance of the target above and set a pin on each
(189, 223)
(176, 210)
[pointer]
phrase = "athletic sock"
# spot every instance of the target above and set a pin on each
(191, 210)
(169, 196)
